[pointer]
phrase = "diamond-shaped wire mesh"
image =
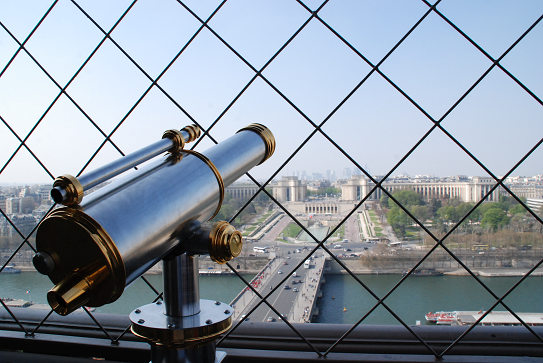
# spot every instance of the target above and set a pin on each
(81, 85)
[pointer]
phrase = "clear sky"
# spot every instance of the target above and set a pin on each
(498, 121)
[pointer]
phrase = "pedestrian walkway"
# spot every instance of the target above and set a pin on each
(304, 307)
(245, 297)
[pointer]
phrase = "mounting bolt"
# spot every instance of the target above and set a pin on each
(137, 311)
(209, 321)
(141, 321)
(217, 303)
(227, 311)
(171, 326)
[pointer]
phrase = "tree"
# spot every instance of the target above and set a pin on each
(494, 218)
(398, 220)
(396, 215)
(420, 212)
(384, 201)
(483, 208)
(406, 198)
(448, 213)
(517, 209)
(432, 206)
(464, 209)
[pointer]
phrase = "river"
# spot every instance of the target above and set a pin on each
(414, 298)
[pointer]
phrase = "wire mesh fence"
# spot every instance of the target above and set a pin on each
(414, 85)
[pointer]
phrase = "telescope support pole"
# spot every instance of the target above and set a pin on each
(181, 286)
(181, 300)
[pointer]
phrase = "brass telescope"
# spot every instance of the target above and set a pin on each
(93, 247)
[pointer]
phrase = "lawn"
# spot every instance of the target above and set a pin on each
(292, 230)
(377, 229)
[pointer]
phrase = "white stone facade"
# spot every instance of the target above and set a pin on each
(473, 190)
(289, 189)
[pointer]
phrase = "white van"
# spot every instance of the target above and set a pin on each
(338, 246)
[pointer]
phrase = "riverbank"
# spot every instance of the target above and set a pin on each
(337, 270)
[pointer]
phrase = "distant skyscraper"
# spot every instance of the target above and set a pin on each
(328, 174)
(13, 205)
(304, 175)
(356, 171)
(347, 173)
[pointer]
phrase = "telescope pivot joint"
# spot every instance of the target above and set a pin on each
(67, 190)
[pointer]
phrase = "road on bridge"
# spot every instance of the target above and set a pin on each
(282, 299)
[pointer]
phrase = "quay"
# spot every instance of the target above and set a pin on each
(494, 318)
(295, 298)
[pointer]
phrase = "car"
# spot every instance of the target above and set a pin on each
(288, 257)
(285, 263)
(294, 282)
(295, 290)
(279, 272)
(270, 318)
(365, 248)
(294, 274)
(345, 240)
(338, 246)
(244, 317)
(281, 317)
(299, 281)
(287, 287)
(348, 250)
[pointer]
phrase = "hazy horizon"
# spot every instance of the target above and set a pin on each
(498, 121)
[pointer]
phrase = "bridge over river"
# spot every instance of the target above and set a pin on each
(297, 302)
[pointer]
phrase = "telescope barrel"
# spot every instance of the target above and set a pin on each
(69, 190)
(92, 251)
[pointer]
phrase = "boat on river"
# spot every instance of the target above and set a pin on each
(494, 318)
(10, 269)
(442, 317)
(425, 272)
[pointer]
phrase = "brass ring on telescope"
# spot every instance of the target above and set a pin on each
(193, 131)
(217, 175)
(73, 188)
(266, 135)
(177, 138)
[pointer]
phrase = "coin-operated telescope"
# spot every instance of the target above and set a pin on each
(92, 249)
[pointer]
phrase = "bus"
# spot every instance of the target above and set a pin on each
(306, 263)
(260, 249)
(479, 248)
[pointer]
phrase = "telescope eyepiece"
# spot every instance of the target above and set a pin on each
(58, 195)
(71, 294)
(44, 263)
